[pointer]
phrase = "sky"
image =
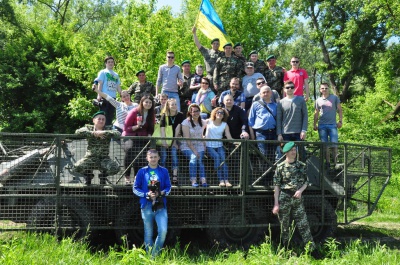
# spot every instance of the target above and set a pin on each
(175, 4)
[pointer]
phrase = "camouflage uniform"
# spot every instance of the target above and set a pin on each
(242, 61)
(260, 66)
(141, 90)
(185, 93)
(290, 177)
(97, 153)
(225, 69)
(274, 78)
(210, 59)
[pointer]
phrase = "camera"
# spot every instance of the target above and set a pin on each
(97, 103)
(157, 203)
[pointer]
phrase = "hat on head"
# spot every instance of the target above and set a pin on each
(216, 39)
(249, 64)
(139, 72)
(253, 52)
(228, 44)
(288, 146)
(185, 61)
(237, 45)
(271, 57)
(98, 113)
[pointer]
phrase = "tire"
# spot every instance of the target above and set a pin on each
(129, 227)
(227, 236)
(318, 212)
(74, 218)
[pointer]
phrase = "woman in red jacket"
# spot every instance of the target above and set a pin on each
(139, 122)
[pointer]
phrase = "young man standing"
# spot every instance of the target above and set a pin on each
(152, 185)
(274, 74)
(326, 108)
(299, 77)
(170, 79)
(109, 83)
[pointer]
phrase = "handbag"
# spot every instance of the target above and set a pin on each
(168, 132)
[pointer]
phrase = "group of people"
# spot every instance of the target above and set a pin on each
(236, 99)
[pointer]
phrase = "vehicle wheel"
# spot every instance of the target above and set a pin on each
(227, 236)
(318, 212)
(74, 219)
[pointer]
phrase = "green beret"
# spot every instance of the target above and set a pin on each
(271, 57)
(253, 52)
(288, 146)
(185, 61)
(139, 72)
(228, 44)
(237, 45)
(98, 113)
(216, 39)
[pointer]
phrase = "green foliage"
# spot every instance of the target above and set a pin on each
(81, 109)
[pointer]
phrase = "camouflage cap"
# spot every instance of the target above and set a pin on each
(288, 146)
(228, 44)
(271, 57)
(237, 45)
(99, 113)
(185, 61)
(140, 71)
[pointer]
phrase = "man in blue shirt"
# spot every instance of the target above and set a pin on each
(237, 95)
(262, 122)
(152, 184)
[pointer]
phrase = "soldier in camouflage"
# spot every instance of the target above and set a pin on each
(290, 180)
(238, 49)
(185, 93)
(142, 87)
(274, 74)
(210, 55)
(97, 152)
(226, 68)
(259, 65)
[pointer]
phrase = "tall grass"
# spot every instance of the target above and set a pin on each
(27, 248)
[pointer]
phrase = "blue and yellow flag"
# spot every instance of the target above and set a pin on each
(210, 24)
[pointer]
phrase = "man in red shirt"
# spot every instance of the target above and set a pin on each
(299, 77)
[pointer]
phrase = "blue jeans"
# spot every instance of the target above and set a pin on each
(174, 95)
(161, 218)
(218, 155)
(174, 156)
(267, 149)
(326, 130)
(195, 162)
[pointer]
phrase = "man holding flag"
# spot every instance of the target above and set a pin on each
(210, 24)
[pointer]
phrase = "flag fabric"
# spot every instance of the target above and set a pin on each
(210, 24)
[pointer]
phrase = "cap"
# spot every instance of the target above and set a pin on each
(139, 72)
(288, 146)
(98, 113)
(185, 61)
(216, 39)
(237, 45)
(228, 44)
(249, 64)
(253, 52)
(271, 57)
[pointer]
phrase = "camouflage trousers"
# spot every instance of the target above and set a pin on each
(293, 207)
(87, 164)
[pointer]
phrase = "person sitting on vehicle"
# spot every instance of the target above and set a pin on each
(203, 98)
(216, 127)
(193, 128)
(97, 153)
(158, 109)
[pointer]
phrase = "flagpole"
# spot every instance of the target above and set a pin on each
(197, 17)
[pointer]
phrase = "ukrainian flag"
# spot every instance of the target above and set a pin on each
(210, 24)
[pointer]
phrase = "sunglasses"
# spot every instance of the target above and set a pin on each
(195, 111)
(261, 83)
(289, 87)
(220, 112)
(170, 57)
(204, 83)
(295, 61)
(324, 88)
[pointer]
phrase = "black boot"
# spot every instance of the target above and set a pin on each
(88, 179)
(103, 179)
